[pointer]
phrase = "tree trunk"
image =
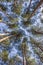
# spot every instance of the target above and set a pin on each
(24, 61)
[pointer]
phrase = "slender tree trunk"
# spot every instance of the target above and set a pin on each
(24, 61)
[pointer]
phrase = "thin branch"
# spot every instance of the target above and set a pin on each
(30, 3)
(36, 43)
(36, 8)
(38, 32)
(29, 7)
(1, 40)
(3, 34)
(5, 38)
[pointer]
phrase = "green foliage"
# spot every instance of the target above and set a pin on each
(5, 43)
(26, 15)
(0, 19)
(31, 61)
(27, 23)
(4, 55)
(8, 0)
(13, 20)
(12, 62)
(17, 8)
(13, 27)
(24, 48)
(3, 8)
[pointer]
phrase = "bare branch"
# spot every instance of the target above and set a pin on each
(1, 40)
(3, 34)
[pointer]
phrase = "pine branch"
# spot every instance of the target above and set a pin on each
(36, 8)
(36, 43)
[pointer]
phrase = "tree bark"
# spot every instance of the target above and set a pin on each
(24, 61)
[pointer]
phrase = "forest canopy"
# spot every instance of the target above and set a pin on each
(21, 32)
